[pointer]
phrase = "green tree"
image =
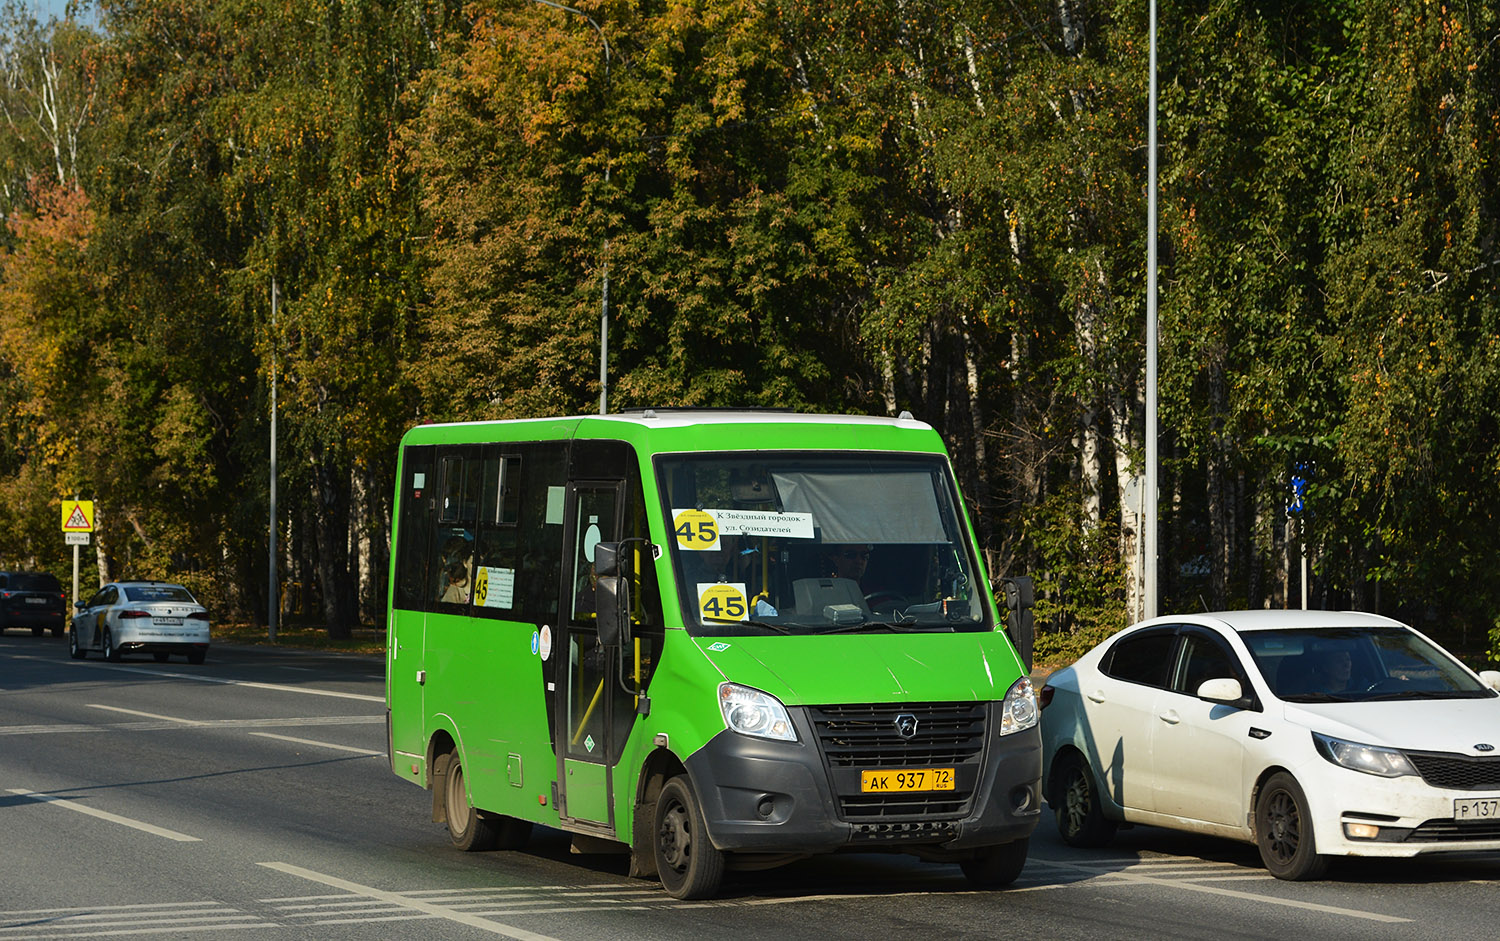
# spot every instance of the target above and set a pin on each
(1411, 274)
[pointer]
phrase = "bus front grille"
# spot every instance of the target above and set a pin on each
(892, 737)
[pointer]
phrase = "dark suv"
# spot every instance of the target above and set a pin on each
(34, 600)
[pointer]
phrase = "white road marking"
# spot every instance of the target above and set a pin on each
(308, 741)
(280, 688)
(171, 723)
(143, 715)
(174, 930)
(105, 815)
(417, 905)
(1122, 877)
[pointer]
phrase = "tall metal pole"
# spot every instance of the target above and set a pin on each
(1149, 524)
(273, 592)
(604, 317)
(604, 252)
(73, 598)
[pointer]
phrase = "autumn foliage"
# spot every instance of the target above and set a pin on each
(861, 205)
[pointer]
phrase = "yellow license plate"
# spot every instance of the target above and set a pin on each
(907, 779)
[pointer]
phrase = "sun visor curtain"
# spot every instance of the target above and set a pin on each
(884, 507)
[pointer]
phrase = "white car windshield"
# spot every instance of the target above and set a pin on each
(805, 543)
(1356, 664)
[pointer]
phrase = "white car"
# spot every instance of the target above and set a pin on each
(1312, 734)
(159, 618)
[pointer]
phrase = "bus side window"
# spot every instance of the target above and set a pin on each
(538, 560)
(414, 535)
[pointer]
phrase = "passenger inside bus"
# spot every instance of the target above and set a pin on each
(457, 566)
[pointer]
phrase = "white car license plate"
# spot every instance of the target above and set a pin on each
(1477, 808)
(169, 622)
(36, 600)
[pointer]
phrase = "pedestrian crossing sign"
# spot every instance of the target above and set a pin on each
(78, 516)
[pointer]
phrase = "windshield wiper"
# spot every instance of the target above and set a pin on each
(894, 627)
(1315, 697)
(1428, 694)
(778, 628)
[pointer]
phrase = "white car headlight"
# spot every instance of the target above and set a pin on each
(1019, 712)
(1385, 762)
(752, 712)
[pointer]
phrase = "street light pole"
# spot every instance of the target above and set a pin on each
(1149, 499)
(273, 593)
(604, 251)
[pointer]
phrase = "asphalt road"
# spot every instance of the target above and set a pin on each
(250, 798)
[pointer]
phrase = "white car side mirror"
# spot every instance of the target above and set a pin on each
(1222, 690)
(1491, 678)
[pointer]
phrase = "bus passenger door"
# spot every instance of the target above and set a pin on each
(406, 653)
(591, 703)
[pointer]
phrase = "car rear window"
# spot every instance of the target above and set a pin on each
(145, 593)
(34, 581)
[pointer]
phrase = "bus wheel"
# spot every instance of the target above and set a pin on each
(469, 829)
(689, 865)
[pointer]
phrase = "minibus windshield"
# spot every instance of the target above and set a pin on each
(815, 542)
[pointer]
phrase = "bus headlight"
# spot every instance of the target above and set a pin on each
(752, 712)
(1019, 712)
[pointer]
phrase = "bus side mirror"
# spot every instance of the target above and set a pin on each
(1019, 597)
(611, 595)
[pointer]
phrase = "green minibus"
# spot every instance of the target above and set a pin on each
(708, 639)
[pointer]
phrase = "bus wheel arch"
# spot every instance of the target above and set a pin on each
(469, 828)
(440, 751)
(659, 768)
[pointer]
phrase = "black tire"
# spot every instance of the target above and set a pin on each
(997, 866)
(160, 656)
(111, 652)
(75, 651)
(57, 631)
(196, 657)
(689, 865)
(1283, 831)
(1079, 811)
(468, 829)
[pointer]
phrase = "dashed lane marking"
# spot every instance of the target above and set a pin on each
(72, 805)
(143, 715)
(1107, 876)
(167, 722)
(308, 741)
(248, 684)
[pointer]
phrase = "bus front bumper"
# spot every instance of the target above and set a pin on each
(761, 796)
